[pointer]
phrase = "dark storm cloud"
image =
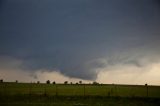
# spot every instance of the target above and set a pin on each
(79, 37)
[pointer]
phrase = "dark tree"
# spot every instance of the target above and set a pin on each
(48, 82)
(16, 81)
(80, 82)
(38, 82)
(1, 81)
(95, 83)
(65, 82)
(53, 82)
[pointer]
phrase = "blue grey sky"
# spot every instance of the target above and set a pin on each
(77, 37)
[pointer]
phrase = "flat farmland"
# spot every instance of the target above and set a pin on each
(78, 94)
(80, 90)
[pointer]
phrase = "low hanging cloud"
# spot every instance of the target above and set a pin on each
(118, 72)
(10, 70)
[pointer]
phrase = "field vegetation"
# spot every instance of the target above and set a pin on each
(48, 94)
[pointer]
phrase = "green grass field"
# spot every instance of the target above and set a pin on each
(69, 95)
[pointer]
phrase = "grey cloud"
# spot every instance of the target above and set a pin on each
(79, 37)
(9, 63)
(33, 76)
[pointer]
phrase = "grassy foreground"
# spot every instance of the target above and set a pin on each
(25, 94)
(37, 100)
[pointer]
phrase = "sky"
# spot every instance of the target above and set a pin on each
(108, 41)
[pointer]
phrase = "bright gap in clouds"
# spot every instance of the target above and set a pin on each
(122, 74)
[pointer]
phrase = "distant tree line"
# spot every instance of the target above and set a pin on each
(49, 82)
(66, 82)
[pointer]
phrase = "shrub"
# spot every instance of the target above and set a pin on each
(65, 82)
(38, 82)
(1, 81)
(53, 82)
(48, 82)
(80, 82)
(95, 83)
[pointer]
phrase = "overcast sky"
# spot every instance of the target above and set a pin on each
(110, 41)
